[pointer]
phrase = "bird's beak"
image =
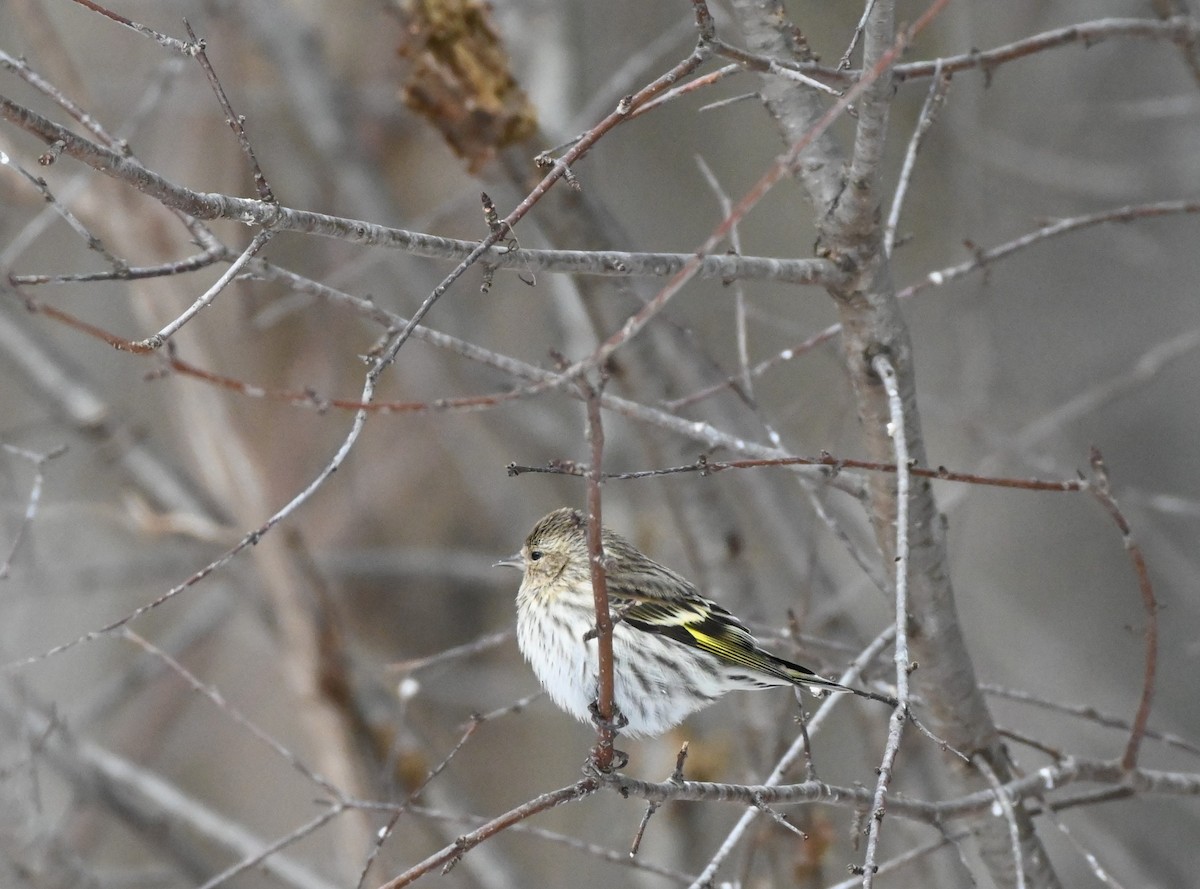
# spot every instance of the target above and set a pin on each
(513, 561)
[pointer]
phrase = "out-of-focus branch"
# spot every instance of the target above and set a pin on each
(1189, 46)
(65, 389)
(146, 801)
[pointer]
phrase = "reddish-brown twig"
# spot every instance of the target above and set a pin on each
(602, 755)
(1100, 489)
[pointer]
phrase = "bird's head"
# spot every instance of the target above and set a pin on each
(556, 547)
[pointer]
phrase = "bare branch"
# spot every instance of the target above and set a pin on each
(608, 718)
(34, 499)
(449, 856)
(896, 427)
(1100, 488)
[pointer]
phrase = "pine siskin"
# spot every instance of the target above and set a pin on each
(674, 651)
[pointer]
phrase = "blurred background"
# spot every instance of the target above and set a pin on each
(338, 634)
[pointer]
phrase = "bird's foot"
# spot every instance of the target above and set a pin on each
(596, 762)
(614, 725)
(605, 757)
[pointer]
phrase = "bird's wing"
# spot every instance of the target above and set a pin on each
(698, 623)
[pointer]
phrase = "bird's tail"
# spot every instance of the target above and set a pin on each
(799, 675)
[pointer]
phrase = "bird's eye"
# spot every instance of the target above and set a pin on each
(534, 555)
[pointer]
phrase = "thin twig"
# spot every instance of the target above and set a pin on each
(788, 760)
(1089, 713)
(911, 855)
(1085, 33)
(810, 765)
(1006, 807)
(1179, 28)
(632, 70)
(32, 502)
(612, 856)
(983, 258)
(836, 465)
(897, 427)
(447, 857)
(250, 539)
(93, 242)
(516, 706)
(161, 39)
(653, 805)
(22, 69)
(382, 835)
(1104, 391)
(779, 819)
(468, 649)
(844, 61)
(275, 746)
(934, 101)
(177, 267)
(257, 859)
(118, 689)
(769, 66)
(236, 122)
(153, 802)
(1102, 874)
(702, 81)
(1100, 488)
(158, 340)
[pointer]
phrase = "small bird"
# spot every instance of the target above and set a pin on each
(674, 651)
